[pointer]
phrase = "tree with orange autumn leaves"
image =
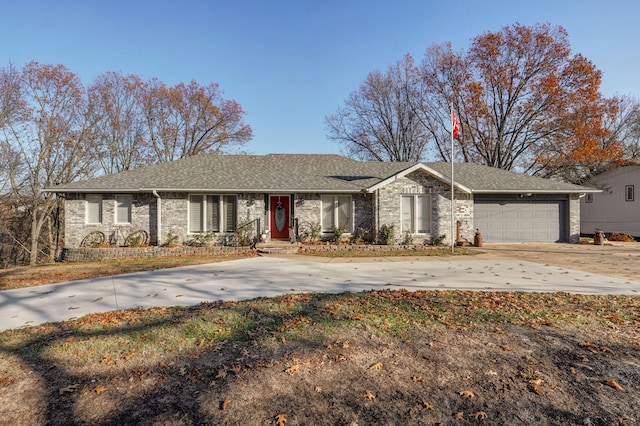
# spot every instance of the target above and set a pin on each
(524, 100)
(53, 130)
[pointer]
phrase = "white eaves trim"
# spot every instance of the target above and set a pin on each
(202, 190)
(538, 191)
(412, 169)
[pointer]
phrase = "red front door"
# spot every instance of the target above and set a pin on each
(279, 216)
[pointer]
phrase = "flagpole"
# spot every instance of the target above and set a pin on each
(453, 197)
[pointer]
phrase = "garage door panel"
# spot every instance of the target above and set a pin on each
(519, 221)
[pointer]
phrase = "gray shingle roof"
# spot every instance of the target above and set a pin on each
(297, 173)
(484, 179)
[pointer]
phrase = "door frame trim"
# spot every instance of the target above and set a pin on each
(269, 212)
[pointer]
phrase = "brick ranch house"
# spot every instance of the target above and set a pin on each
(216, 193)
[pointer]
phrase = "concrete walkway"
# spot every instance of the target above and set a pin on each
(272, 276)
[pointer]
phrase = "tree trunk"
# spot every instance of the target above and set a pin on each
(51, 254)
(33, 252)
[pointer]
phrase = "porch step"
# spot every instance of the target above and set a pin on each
(278, 247)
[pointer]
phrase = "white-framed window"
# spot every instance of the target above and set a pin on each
(212, 213)
(336, 211)
(123, 208)
(629, 193)
(415, 211)
(93, 204)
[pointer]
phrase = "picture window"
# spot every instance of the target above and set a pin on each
(212, 213)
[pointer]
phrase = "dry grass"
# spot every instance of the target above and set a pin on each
(28, 276)
(380, 357)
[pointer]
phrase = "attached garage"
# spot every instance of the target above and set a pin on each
(521, 219)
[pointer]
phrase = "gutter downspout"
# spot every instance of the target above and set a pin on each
(158, 217)
(376, 203)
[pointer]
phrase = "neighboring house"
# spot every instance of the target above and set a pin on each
(616, 208)
(217, 193)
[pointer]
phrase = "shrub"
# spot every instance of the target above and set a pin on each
(338, 231)
(436, 241)
(314, 231)
(171, 240)
(136, 239)
(361, 235)
(200, 240)
(408, 238)
(621, 237)
(387, 234)
(242, 234)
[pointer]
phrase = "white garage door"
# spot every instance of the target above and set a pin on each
(519, 221)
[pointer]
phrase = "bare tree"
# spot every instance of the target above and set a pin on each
(10, 105)
(187, 120)
(379, 121)
(115, 103)
(624, 128)
(49, 137)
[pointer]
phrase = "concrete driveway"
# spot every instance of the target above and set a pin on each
(271, 276)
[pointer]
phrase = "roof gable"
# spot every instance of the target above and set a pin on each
(424, 167)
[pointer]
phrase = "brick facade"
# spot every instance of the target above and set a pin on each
(420, 183)
(574, 218)
(308, 210)
(370, 211)
(143, 214)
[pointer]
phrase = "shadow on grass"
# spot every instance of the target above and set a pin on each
(189, 359)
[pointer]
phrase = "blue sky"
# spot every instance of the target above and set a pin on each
(292, 63)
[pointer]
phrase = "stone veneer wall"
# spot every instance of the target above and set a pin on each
(366, 247)
(83, 254)
(175, 217)
(389, 201)
(308, 210)
(574, 218)
(143, 213)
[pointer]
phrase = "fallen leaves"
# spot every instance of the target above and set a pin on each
(281, 419)
(69, 389)
(478, 415)
(467, 394)
(293, 369)
(593, 348)
(369, 395)
(427, 405)
(614, 384)
(376, 366)
(100, 389)
(107, 360)
(536, 386)
(224, 403)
